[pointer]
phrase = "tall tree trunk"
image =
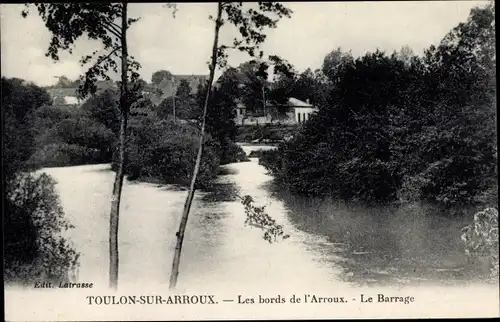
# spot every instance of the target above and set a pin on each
(264, 100)
(173, 101)
(189, 199)
(117, 187)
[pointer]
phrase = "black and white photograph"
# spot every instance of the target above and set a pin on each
(249, 160)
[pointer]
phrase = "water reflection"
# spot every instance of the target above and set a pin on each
(384, 245)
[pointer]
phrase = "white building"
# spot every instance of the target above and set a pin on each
(302, 110)
(294, 111)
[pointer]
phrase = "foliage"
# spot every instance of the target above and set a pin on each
(271, 160)
(35, 248)
(220, 112)
(257, 217)
(104, 108)
(69, 22)
(164, 151)
(309, 85)
(230, 152)
(401, 127)
(184, 89)
(160, 76)
(65, 154)
(67, 137)
(186, 108)
(267, 132)
(250, 24)
(20, 100)
(481, 237)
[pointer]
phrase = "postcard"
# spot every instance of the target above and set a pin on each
(249, 160)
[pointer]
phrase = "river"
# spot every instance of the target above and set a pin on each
(218, 251)
(332, 251)
(327, 248)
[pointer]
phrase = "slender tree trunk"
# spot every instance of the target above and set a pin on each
(264, 101)
(117, 187)
(173, 98)
(189, 199)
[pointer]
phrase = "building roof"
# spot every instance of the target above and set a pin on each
(298, 103)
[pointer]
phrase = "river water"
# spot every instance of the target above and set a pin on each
(219, 251)
(334, 251)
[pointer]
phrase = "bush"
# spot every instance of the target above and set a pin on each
(481, 238)
(64, 154)
(35, 248)
(271, 160)
(165, 152)
(69, 137)
(231, 153)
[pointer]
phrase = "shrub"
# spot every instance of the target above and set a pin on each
(231, 153)
(165, 152)
(271, 160)
(481, 238)
(69, 137)
(64, 154)
(35, 248)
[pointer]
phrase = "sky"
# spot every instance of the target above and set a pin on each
(182, 44)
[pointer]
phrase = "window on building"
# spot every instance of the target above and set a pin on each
(299, 117)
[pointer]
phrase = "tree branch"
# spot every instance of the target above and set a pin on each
(104, 58)
(114, 24)
(108, 27)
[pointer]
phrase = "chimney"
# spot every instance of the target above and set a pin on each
(307, 101)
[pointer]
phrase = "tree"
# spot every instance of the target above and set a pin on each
(333, 63)
(457, 147)
(184, 90)
(159, 76)
(250, 24)
(20, 100)
(406, 54)
(104, 108)
(67, 23)
(404, 128)
(64, 81)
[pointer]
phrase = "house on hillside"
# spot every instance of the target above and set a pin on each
(64, 96)
(294, 111)
(65, 93)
